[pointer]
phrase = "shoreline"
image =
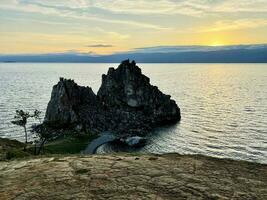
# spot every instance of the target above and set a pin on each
(92, 146)
(11, 149)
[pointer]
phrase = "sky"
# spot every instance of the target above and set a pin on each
(112, 26)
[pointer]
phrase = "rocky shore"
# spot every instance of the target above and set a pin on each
(122, 176)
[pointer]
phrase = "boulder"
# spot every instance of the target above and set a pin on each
(135, 141)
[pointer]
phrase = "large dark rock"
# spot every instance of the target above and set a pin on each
(66, 99)
(138, 105)
(126, 103)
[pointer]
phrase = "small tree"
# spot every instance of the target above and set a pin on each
(37, 115)
(21, 119)
(43, 134)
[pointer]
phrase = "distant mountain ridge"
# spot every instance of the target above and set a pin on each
(158, 54)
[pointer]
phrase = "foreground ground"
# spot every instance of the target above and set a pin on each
(170, 176)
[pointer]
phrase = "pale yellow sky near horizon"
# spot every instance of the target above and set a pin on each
(106, 26)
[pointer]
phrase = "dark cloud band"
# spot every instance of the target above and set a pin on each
(100, 45)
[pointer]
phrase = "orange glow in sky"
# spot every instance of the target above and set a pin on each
(105, 27)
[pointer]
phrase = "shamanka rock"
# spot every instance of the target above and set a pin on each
(126, 103)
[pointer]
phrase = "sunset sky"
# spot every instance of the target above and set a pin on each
(109, 26)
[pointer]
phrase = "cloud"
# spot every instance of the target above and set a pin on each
(56, 23)
(231, 25)
(100, 45)
(230, 6)
(137, 7)
(107, 11)
(163, 7)
(76, 9)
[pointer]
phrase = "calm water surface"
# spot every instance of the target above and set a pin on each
(224, 106)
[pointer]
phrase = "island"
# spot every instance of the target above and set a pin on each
(126, 104)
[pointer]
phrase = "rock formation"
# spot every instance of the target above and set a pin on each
(66, 98)
(126, 103)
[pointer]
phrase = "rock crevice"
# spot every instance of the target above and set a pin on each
(126, 103)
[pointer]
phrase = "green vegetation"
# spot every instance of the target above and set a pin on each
(16, 153)
(21, 118)
(12, 149)
(68, 140)
(68, 144)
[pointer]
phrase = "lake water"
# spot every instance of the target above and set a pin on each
(223, 106)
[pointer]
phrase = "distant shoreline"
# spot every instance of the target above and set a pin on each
(161, 54)
(139, 62)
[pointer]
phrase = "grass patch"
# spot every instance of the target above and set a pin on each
(6, 143)
(16, 153)
(66, 144)
(10, 149)
(69, 144)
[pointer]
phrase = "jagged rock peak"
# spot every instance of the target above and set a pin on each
(127, 89)
(65, 100)
(127, 65)
(124, 85)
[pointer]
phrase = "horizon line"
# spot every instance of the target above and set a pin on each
(133, 50)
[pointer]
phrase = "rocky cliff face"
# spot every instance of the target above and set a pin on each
(127, 89)
(126, 103)
(66, 99)
(137, 104)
